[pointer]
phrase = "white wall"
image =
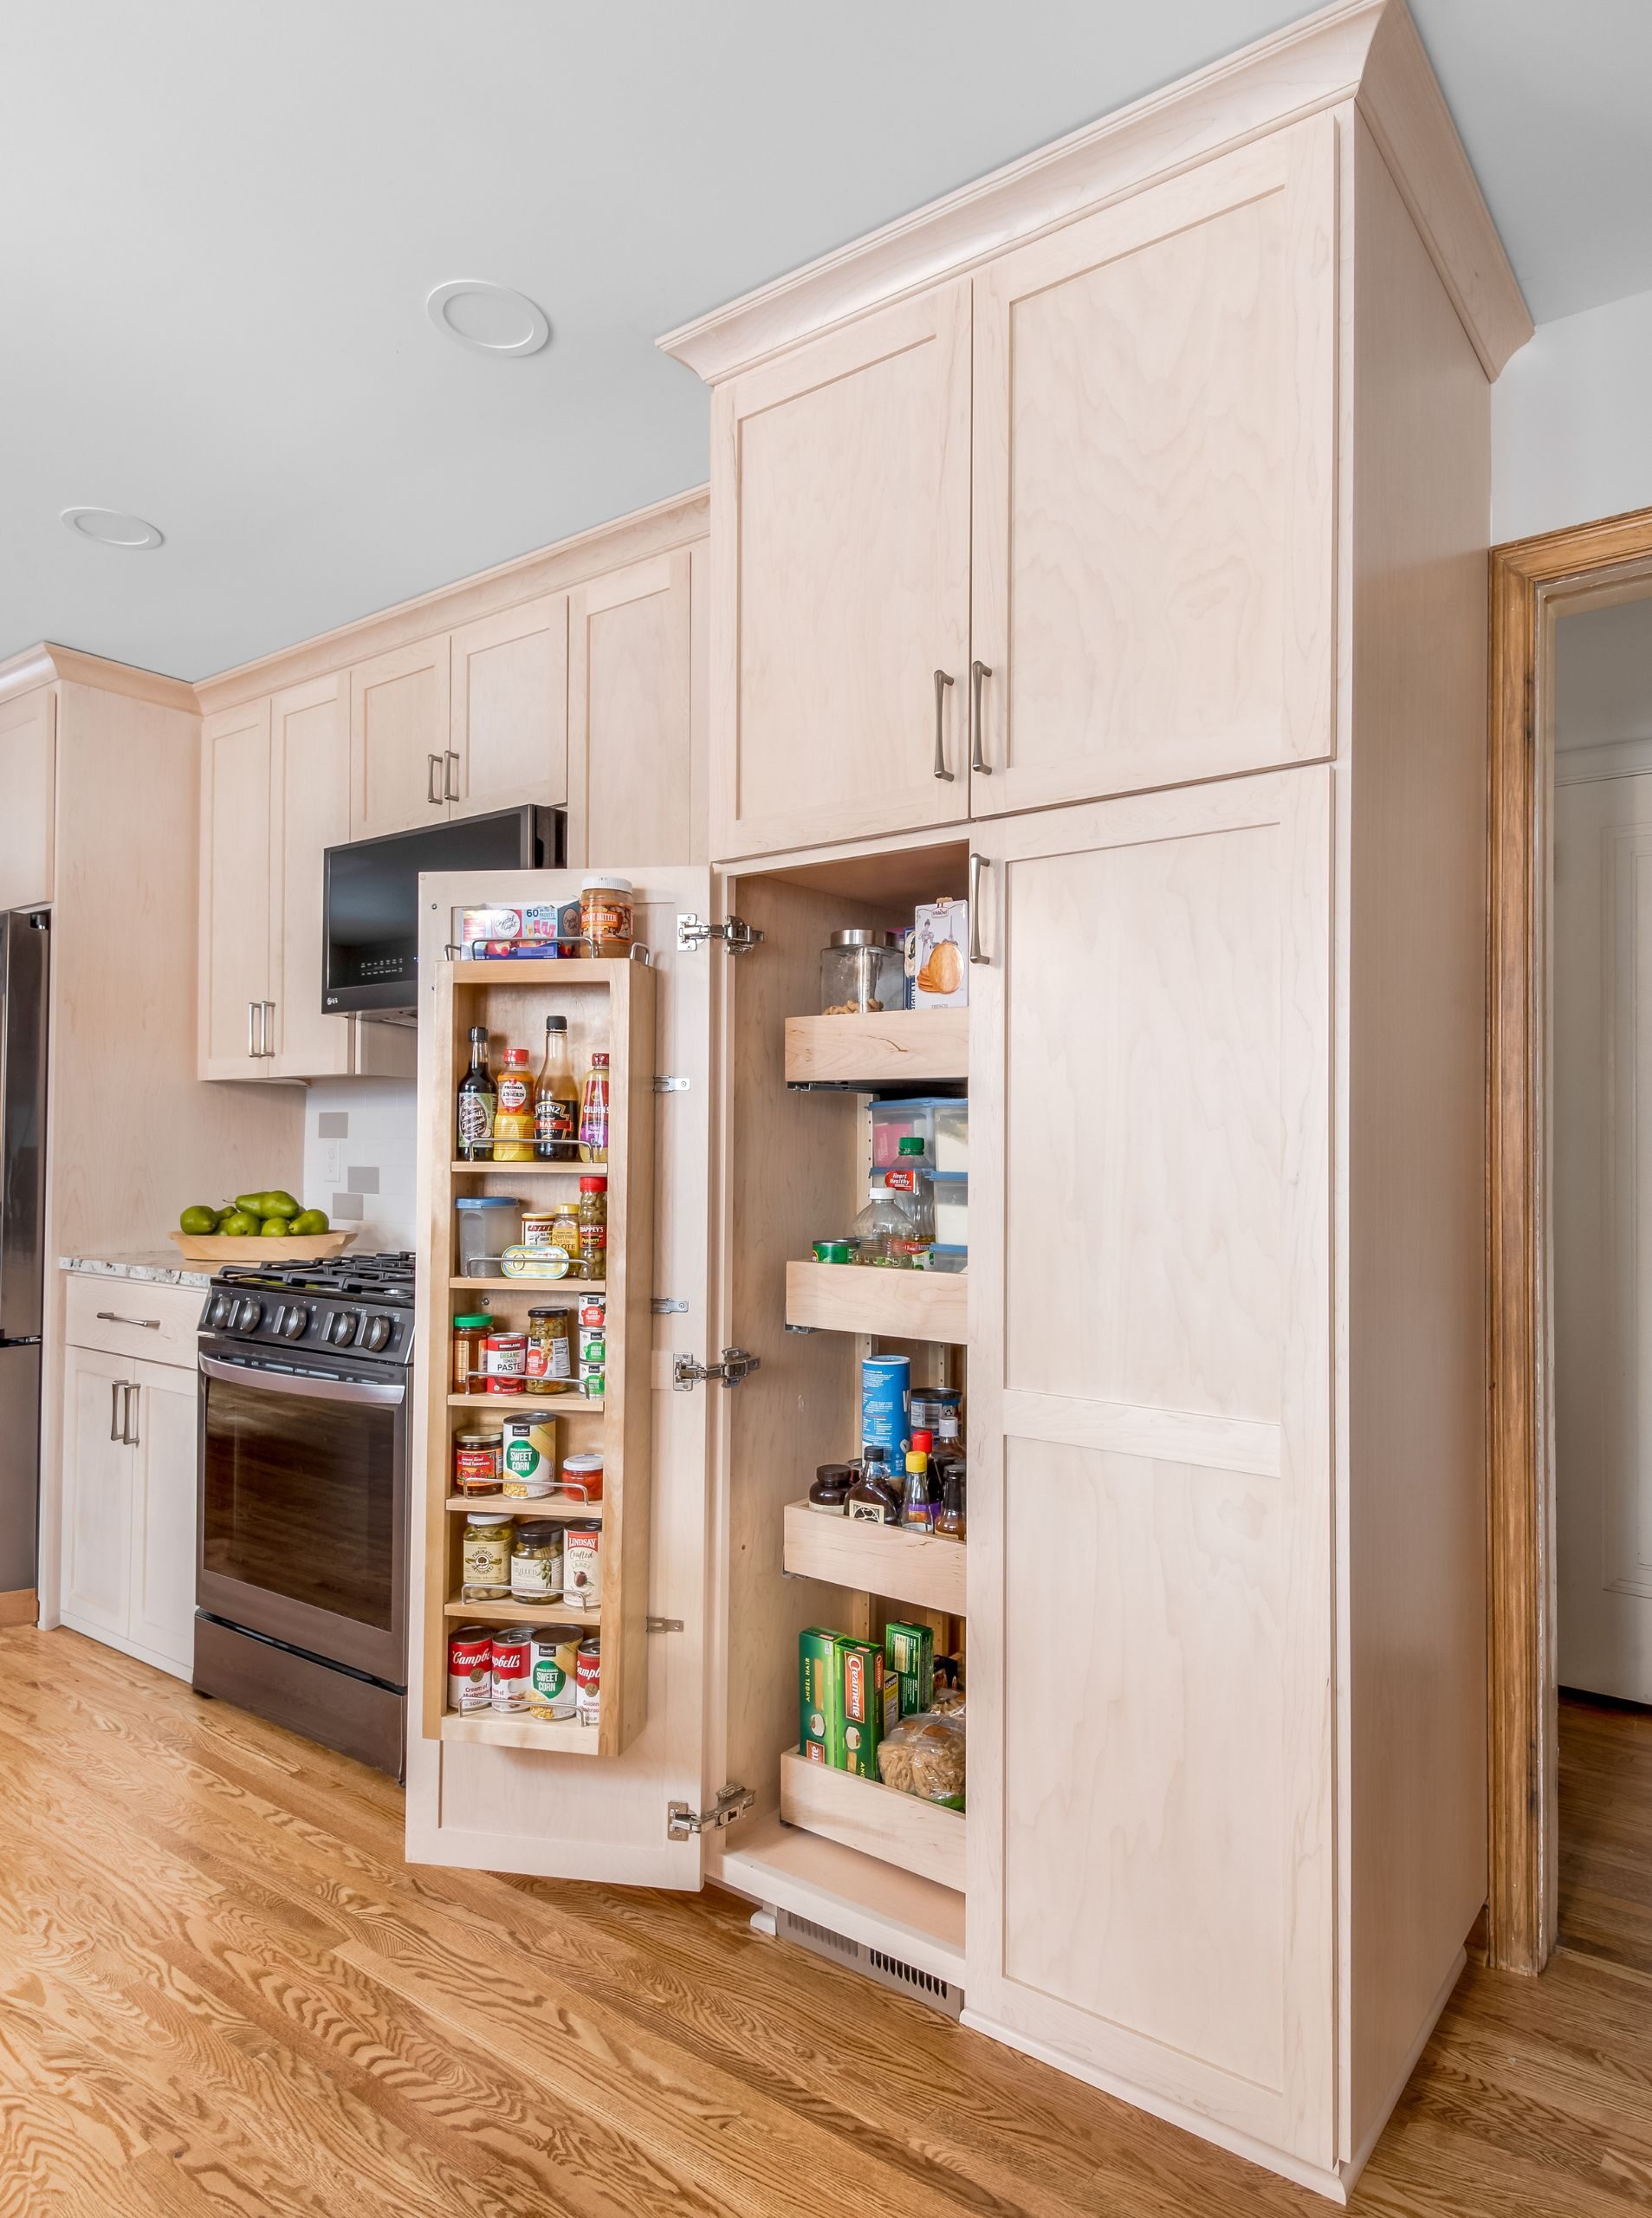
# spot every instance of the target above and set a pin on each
(360, 1139)
(1571, 422)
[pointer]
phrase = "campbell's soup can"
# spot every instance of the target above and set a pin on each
(513, 1667)
(470, 1668)
(582, 1565)
(504, 1359)
(551, 1691)
(588, 1681)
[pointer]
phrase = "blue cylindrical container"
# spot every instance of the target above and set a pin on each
(886, 1404)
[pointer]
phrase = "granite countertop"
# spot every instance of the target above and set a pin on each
(159, 1269)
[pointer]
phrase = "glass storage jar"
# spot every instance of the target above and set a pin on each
(862, 972)
(489, 1223)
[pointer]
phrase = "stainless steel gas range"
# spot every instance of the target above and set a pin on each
(301, 1528)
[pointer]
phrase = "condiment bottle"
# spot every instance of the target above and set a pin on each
(513, 1121)
(830, 1492)
(469, 1339)
(916, 1510)
(909, 1175)
(593, 1112)
(556, 1099)
(476, 1102)
(950, 1521)
(875, 1497)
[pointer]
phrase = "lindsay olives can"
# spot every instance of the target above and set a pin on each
(527, 1454)
(470, 1668)
(582, 1565)
(552, 1680)
(512, 1660)
(886, 1404)
(588, 1681)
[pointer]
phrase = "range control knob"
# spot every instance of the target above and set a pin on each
(293, 1323)
(248, 1314)
(341, 1328)
(375, 1334)
(220, 1310)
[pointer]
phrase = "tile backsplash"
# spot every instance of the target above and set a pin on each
(359, 1143)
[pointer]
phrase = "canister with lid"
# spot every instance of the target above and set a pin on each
(606, 915)
(582, 1476)
(862, 972)
(485, 1556)
(536, 1562)
(489, 1223)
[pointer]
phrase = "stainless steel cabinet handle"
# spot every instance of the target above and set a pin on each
(144, 1324)
(252, 1031)
(433, 782)
(942, 681)
(117, 1388)
(977, 759)
(264, 1023)
(450, 777)
(128, 1434)
(977, 864)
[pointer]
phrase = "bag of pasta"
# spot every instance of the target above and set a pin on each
(924, 1756)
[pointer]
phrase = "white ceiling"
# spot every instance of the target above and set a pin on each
(219, 220)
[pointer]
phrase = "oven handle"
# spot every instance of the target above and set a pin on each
(287, 1382)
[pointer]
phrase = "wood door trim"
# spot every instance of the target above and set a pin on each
(1533, 580)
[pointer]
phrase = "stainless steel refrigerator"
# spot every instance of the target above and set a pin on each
(25, 943)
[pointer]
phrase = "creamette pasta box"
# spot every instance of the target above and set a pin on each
(937, 956)
(862, 1696)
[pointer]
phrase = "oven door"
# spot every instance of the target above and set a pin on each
(303, 1512)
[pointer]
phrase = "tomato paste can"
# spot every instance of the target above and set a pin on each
(513, 1666)
(504, 1359)
(588, 1681)
(470, 1668)
(582, 1566)
(551, 1691)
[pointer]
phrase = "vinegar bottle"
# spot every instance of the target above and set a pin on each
(593, 1112)
(476, 1102)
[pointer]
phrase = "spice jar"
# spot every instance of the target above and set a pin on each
(536, 1563)
(469, 1339)
(550, 1349)
(862, 972)
(605, 915)
(565, 1234)
(582, 1477)
(593, 1228)
(485, 1556)
(831, 1490)
(475, 1462)
(489, 1223)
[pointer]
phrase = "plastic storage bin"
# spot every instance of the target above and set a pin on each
(895, 1121)
(950, 1151)
(951, 1194)
(489, 1223)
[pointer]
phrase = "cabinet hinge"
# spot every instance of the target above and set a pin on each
(735, 1366)
(737, 935)
(662, 1084)
(664, 1624)
(667, 1305)
(683, 1823)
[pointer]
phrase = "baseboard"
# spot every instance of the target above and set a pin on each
(21, 1606)
(1334, 2185)
(132, 1648)
(1361, 2157)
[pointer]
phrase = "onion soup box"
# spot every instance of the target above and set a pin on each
(819, 1696)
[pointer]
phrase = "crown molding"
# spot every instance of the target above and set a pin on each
(1366, 50)
(48, 664)
(655, 530)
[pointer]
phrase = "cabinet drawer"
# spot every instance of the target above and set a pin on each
(131, 1317)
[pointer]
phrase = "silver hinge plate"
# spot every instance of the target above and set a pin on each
(665, 1305)
(736, 1364)
(666, 1084)
(683, 1823)
(664, 1624)
(737, 935)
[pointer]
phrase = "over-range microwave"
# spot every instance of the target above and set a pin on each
(370, 900)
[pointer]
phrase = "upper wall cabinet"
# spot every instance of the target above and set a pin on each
(400, 771)
(309, 812)
(635, 785)
(840, 620)
(26, 774)
(1154, 450)
(508, 717)
(235, 890)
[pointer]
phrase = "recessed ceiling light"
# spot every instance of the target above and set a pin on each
(492, 319)
(112, 528)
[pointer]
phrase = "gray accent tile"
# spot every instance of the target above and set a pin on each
(333, 1125)
(362, 1177)
(347, 1205)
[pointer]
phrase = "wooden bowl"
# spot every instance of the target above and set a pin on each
(219, 1248)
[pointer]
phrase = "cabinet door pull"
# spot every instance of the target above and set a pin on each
(117, 1388)
(433, 782)
(128, 1429)
(264, 1023)
(977, 758)
(451, 776)
(942, 681)
(977, 864)
(143, 1324)
(252, 1031)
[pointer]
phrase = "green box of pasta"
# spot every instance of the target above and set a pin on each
(909, 1663)
(819, 1696)
(861, 1705)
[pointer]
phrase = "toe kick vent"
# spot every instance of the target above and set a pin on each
(874, 1963)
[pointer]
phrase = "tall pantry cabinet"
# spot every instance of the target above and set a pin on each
(1106, 544)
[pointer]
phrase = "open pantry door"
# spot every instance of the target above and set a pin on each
(626, 1803)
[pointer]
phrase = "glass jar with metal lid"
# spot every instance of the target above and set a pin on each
(485, 1556)
(861, 973)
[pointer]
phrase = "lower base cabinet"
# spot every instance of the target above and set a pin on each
(129, 1505)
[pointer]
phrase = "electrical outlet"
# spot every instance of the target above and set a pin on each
(332, 1163)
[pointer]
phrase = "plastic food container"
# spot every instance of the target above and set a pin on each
(951, 1149)
(895, 1121)
(489, 1223)
(951, 1193)
(862, 972)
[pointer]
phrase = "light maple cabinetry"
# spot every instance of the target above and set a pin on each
(27, 765)
(636, 784)
(509, 715)
(400, 775)
(236, 889)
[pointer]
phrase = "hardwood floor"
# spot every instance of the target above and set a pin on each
(1606, 1830)
(223, 1995)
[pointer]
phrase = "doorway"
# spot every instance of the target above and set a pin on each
(1569, 1476)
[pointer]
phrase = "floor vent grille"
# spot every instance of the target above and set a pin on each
(873, 1963)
